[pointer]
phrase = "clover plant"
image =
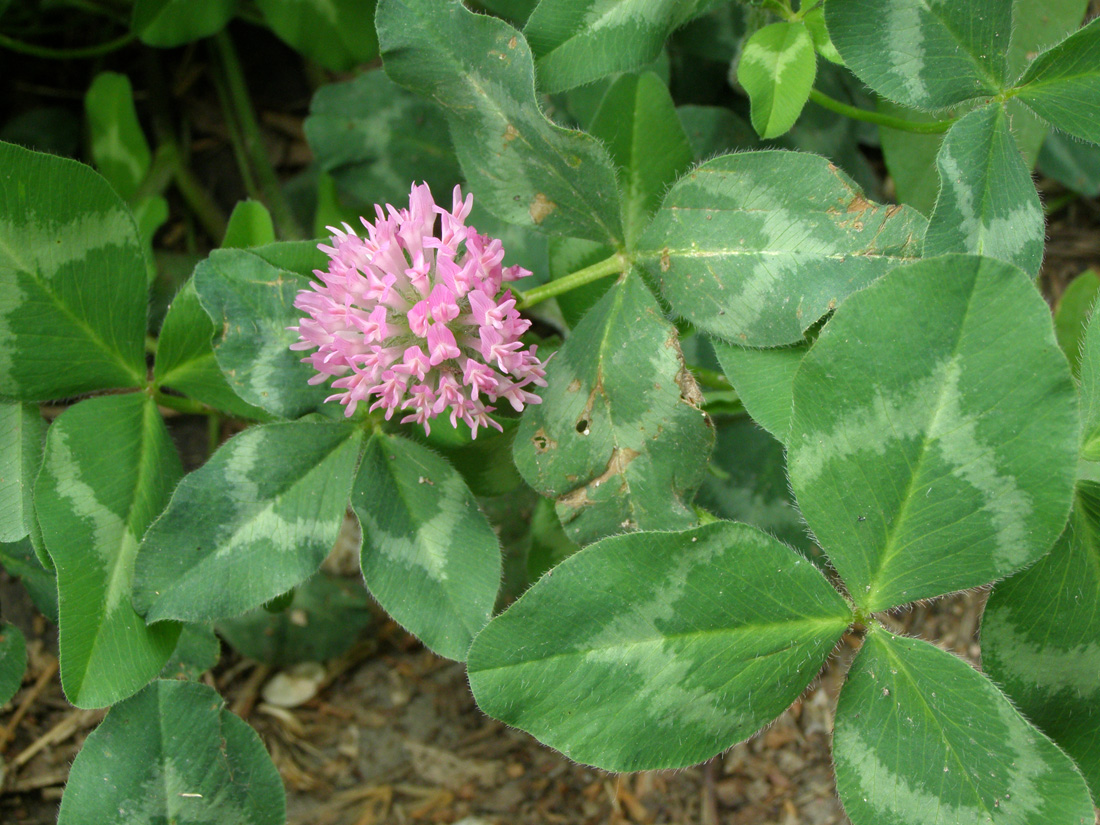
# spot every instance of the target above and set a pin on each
(894, 363)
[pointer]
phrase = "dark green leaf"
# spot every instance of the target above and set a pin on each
(928, 54)
(173, 754)
(638, 124)
(429, 556)
(619, 440)
(777, 69)
(72, 281)
(375, 139)
(745, 255)
(13, 661)
(19, 559)
(254, 521)
(168, 23)
(197, 650)
(933, 451)
(1073, 164)
(1063, 84)
(748, 483)
(108, 470)
(324, 619)
(525, 169)
(658, 650)
(987, 203)
(338, 34)
(22, 431)
(920, 731)
(251, 301)
(715, 130)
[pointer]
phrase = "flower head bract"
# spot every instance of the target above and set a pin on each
(417, 321)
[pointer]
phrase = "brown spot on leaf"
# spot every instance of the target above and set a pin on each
(892, 210)
(510, 134)
(540, 207)
(543, 443)
(574, 385)
(512, 43)
(621, 458)
(666, 260)
(689, 390)
(860, 204)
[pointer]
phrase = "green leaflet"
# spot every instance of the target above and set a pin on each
(1062, 85)
(249, 225)
(185, 357)
(72, 281)
(928, 54)
(638, 124)
(254, 521)
(169, 23)
(579, 41)
(107, 472)
(747, 482)
(658, 650)
(13, 661)
(429, 556)
(173, 753)
(1041, 639)
(619, 440)
(763, 379)
(22, 431)
(1071, 316)
(934, 451)
(322, 621)
(251, 301)
(902, 749)
(777, 69)
(338, 34)
(119, 148)
(746, 256)
(987, 203)
(376, 138)
(525, 169)
(19, 560)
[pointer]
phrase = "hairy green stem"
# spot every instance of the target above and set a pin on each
(615, 265)
(49, 53)
(269, 186)
(933, 127)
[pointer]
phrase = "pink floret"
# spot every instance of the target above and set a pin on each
(417, 322)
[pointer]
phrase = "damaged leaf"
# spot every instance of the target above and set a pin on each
(619, 440)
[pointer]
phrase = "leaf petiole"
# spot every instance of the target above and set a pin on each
(933, 127)
(615, 265)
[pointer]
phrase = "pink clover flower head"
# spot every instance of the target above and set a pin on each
(415, 323)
